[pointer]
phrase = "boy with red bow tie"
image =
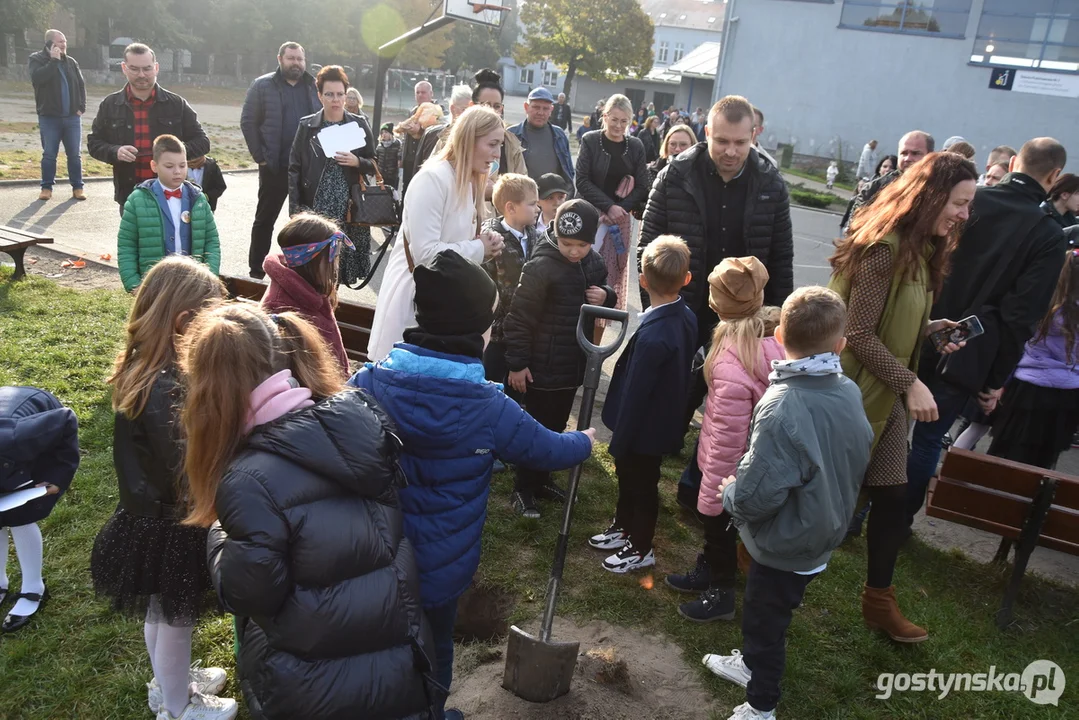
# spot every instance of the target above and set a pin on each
(166, 216)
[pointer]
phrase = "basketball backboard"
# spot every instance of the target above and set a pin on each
(481, 12)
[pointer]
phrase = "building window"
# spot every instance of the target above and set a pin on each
(679, 51)
(527, 76)
(942, 18)
(1041, 34)
(550, 78)
(661, 53)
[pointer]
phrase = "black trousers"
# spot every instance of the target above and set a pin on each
(551, 409)
(273, 192)
(638, 497)
(706, 324)
(770, 599)
(721, 549)
(495, 369)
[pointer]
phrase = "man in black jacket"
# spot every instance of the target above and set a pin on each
(129, 120)
(724, 200)
(913, 146)
(1007, 262)
(272, 110)
(60, 95)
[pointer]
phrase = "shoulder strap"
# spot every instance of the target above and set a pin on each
(408, 252)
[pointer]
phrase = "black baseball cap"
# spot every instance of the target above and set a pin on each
(551, 183)
(577, 220)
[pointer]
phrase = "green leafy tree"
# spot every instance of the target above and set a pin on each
(471, 47)
(603, 39)
(25, 14)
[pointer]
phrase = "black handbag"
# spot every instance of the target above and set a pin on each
(374, 205)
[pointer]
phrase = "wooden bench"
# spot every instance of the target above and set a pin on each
(14, 241)
(1026, 506)
(353, 319)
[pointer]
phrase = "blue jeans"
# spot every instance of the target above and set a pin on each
(925, 444)
(441, 620)
(55, 130)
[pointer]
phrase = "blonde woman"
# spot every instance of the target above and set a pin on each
(443, 211)
(612, 174)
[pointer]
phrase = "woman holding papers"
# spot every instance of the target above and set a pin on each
(331, 150)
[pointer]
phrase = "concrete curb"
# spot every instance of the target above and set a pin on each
(817, 210)
(49, 250)
(95, 179)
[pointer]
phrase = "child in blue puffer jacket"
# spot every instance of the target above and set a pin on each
(453, 422)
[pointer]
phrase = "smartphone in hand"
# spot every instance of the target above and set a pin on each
(970, 327)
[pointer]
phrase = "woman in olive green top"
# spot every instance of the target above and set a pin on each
(887, 269)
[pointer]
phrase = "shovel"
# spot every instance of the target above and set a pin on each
(539, 669)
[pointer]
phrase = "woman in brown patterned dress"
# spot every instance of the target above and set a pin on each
(887, 269)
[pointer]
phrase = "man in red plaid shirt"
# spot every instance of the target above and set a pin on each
(130, 119)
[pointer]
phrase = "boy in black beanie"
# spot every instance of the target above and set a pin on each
(452, 422)
(542, 353)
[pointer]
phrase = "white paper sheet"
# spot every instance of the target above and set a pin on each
(341, 138)
(12, 500)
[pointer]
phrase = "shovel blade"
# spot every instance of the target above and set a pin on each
(538, 671)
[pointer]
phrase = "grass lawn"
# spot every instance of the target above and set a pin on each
(80, 660)
(26, 164)
(818, 177)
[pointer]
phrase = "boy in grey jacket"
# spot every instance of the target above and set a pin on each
(795, 489)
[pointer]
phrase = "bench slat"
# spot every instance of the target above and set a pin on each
(991, 472)
(12, 232)
(995, 507)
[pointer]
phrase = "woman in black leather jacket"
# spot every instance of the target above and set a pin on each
(308, 548)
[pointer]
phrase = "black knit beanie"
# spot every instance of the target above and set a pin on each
(454, 298)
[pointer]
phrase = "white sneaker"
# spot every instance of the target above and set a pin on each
(204, 707)
(612, 538)
(745, 711)
(628, 559)
(208, 681)
(729, 667)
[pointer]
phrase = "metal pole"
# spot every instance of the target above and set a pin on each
(388, 53)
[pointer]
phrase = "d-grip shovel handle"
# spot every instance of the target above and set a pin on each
(586, 323)
(596, 355)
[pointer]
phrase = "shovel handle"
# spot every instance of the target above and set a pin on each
(598, 353)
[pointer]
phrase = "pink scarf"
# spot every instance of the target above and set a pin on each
(274, 397)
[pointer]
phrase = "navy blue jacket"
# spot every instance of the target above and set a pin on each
(452, 422)
(263, 115)
(39, 443)
(646, 401)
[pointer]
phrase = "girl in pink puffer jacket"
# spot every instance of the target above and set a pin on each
(736, 370)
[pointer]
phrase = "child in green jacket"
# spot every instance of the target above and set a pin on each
(166, 216)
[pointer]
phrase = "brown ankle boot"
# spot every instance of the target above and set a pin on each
(744, 559)
(881, 612)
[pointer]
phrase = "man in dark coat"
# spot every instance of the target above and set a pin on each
(724, 200)
(60, 96)
(271, 113)
(1012, 245)
(130, 119)
(562, 114)
(913, 146)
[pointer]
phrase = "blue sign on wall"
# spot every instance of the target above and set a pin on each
(1001, 78)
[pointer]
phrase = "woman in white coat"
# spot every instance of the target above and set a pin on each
(443, 211)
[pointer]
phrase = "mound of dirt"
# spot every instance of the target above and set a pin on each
(621, 674)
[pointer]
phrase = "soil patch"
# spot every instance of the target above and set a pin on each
(48, 263)
(621, 674)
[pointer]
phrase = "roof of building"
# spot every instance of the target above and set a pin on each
(691, 14)
(701, 63)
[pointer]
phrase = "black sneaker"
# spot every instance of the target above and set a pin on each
(695, 581)
(713, 604)
(550, 491)
(525, 504)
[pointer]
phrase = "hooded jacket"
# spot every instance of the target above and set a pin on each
(289, 291)
(452, 422)
(677, 205)
(310, 547)
(146, 223)
(541, 329)
(39, 443)
(798, 482)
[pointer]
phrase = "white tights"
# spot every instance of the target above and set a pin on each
(170, 656)
(969, 438)
(28, 548)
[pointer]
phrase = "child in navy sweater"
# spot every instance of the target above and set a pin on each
(643, 407)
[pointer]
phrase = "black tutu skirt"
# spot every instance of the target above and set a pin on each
(153, 568)
(1034, 424)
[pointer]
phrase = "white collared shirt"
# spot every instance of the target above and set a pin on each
(650, 308)
(519, 235)
(175, 208)
(195, 176)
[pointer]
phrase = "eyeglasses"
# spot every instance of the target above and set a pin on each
(497, 107)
